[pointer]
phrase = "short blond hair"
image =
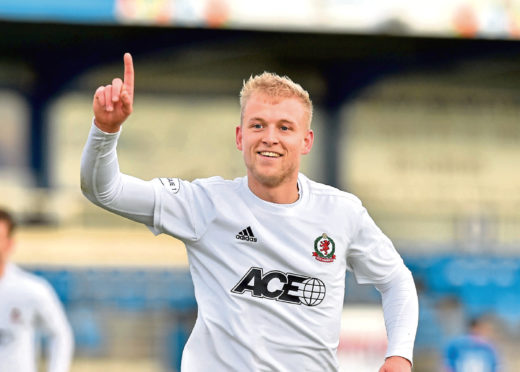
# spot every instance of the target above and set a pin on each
(274, 86)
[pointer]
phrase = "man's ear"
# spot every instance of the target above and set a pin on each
(238, 137)
(307, 142)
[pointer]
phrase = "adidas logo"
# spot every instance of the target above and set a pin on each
(247, 235)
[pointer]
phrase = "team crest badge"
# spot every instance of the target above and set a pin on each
(324, 249)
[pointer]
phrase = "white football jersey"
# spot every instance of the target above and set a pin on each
(269, 278)
(28, 302)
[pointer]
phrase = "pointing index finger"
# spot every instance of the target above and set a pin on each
(128, 83)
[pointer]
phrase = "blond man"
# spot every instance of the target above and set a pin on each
(268, 252)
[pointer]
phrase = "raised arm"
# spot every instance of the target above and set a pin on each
(101, 180)
(113, 103)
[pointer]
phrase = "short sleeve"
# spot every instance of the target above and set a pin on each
(371, 256)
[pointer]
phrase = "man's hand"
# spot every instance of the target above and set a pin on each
(396, 364)
(114, 103)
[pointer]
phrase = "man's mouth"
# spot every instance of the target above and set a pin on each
(269, 154)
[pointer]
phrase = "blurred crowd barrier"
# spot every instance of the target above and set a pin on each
(453, 290)
(124, 314)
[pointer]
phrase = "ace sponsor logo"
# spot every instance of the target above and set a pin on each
(286, 287)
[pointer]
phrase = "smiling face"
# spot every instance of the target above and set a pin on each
(273, 136)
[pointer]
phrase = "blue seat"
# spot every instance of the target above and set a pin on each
(89, 337)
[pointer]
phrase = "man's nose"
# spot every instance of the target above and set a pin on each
(270, 137)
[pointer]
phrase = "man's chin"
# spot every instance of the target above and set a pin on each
(269, 180)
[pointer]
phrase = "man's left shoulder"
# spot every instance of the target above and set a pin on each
(321, 190)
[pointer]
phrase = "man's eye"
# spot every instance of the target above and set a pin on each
(284, 128)
(257, 126)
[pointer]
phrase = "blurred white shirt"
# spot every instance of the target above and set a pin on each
(28, 303)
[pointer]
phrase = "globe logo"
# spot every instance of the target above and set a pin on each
(313, 292)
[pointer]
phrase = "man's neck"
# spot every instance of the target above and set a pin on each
(286, 193)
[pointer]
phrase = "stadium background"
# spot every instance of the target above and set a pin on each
(416, 113)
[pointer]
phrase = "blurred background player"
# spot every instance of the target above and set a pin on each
(473, 352)
(28, 305)
(272, 301)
